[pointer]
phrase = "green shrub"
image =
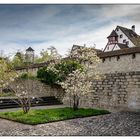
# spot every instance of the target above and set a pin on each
(64, 68)
(25, 76)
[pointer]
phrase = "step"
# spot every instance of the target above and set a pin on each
(51, 100)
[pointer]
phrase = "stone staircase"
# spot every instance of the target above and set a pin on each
(41, 101)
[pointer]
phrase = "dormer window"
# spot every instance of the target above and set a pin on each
(127, 43)
(124, 41)
(121, 36)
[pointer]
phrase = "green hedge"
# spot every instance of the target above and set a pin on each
(64, 68)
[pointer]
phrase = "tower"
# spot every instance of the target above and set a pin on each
(112, 40)
(29, 56)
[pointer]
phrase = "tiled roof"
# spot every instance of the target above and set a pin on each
(113, 34)
(122, 46)
(29, 49)
(134, 37)
(124, 51)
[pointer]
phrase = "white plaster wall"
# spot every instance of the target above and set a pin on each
(120, 40)
(111, 46)
(116, 47)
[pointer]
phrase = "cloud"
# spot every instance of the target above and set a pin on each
(40, 26)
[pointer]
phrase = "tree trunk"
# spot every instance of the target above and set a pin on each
(26, 106)
(75, 102)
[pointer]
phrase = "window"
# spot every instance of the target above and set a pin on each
(124, 40)
(116, 38)
(127, 43)
(118, 57)
(121, 36)
(113, 39)
(133, 55)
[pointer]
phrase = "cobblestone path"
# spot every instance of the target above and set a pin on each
(115, 124)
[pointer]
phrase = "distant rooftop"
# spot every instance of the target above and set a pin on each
(113, 34)
(29, 49)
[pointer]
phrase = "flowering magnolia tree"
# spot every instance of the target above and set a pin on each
(76, 85)
(26, 90)
(86, 56)
(78, 82)
(54, 58)
(7, 74)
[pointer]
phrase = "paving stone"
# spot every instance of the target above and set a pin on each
(114, 124)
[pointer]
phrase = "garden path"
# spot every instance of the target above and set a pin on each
(114, 124)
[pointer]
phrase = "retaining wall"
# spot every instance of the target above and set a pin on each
(116, 91)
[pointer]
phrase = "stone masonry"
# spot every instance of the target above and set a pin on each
(125, 63)
(115, 92)
(119, 91)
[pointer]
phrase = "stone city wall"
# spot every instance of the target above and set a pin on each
(122, 63)
(115, 92)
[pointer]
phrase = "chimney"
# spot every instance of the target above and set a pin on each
(133, 28)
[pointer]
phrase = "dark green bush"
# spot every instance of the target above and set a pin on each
(25, 76)
(65, 67)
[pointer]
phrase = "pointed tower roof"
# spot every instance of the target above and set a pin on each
(29, 49)
(113, 34)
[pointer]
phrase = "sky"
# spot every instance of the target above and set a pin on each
(61, 26)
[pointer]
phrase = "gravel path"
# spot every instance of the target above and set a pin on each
(115, 124)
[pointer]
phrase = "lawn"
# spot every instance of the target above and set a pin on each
(40, 116)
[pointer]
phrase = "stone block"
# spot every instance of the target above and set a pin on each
(111, 83)
(135, 80)
(131, 83)
(100, 83)
(129, 79)
(118, 80)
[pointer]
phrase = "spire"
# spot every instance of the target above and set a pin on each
(113, 34)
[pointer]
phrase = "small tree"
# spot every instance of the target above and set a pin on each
(51, 54)
(26, 90)
(7, 74)
(76, 85)
(44, 56)
(18, 60)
